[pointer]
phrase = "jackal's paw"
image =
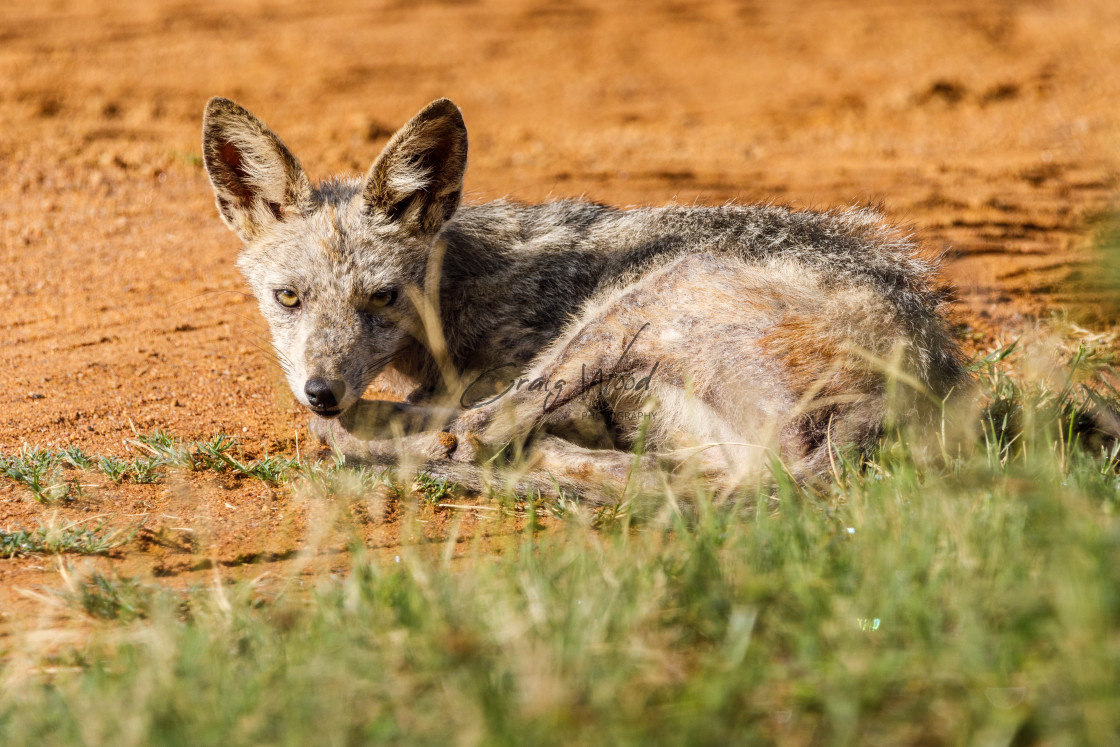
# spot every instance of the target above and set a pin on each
(425, 447)
(467, 449)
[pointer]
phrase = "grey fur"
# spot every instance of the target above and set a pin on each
(751, 334)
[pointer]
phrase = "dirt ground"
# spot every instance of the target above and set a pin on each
(992, 127)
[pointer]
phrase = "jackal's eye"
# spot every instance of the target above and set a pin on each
(287, 298)
(383, 298)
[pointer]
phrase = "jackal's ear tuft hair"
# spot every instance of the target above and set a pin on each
(256, 179)
(418, 178)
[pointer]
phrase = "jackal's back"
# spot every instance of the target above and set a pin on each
(524, 271)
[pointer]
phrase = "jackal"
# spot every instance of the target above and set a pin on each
(605, 349)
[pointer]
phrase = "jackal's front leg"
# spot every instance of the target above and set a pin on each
(371, 419)
(352, 438)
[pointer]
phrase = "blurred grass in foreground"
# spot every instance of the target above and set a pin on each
(975, 599)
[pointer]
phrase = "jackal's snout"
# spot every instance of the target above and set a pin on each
(323, 395)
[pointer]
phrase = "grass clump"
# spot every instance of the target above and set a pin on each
(334, 479)
(41, 471)
(113, 467)
(217, 455)
(110, 597)
(433, 489)
(75, 458)
(72, 538)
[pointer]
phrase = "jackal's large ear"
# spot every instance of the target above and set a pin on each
(256, 179)
(418, 178)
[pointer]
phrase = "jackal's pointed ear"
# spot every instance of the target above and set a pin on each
(256, 179)
(418, 178)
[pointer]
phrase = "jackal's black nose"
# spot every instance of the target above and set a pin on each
(323, 394)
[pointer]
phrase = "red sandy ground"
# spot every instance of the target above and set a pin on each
(992, 127)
